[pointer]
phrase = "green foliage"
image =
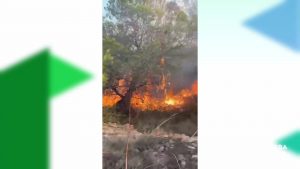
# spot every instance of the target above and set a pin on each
(159, 12)
(142, 10)
(111, 45)
(182, 17)
(107, 62)
(104, 79)
(137, 34)
(111, 116)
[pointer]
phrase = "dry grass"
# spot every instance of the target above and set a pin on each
(176, 160)
(163, 122)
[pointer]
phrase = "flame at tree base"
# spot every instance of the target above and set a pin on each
(170, 102)
(146, 100)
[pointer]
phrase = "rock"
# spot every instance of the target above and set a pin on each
(182, 163)
(191, 147)
(162, 148)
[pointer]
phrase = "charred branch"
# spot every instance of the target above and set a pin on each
(117, 92)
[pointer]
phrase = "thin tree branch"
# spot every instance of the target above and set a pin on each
(116, 91)
(194, 133)
(171, 117)
(141, 85)
(176, 160)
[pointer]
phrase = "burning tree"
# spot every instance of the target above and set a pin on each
(143, 42)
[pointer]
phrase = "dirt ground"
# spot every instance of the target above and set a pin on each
(156, 150)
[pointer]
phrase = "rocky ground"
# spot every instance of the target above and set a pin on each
(155, 150)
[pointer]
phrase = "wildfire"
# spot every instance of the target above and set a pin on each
(170, 102)
(195, 88)
(152, 97)
(109, 98)
(146, 100)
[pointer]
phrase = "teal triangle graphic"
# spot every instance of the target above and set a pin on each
(292, 142)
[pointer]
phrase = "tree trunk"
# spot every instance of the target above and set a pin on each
(124, 104)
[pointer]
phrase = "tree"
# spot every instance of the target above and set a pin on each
(137, 36)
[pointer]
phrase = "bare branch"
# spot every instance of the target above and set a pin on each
(176, 160)
(116, 91)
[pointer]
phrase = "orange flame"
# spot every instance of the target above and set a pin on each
(195, 87)
(110, 98)
(147, 101)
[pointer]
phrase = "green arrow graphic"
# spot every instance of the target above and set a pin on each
(292, 142)
(25, 91)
